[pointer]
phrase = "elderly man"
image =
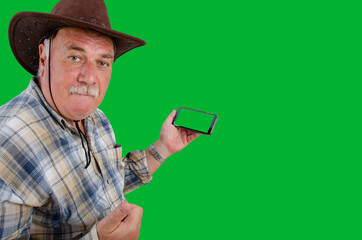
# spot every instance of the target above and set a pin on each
(62, 174)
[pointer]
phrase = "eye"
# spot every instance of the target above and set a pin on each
(74, 58)
(103, 64)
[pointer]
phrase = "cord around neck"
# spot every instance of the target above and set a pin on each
(82, 135)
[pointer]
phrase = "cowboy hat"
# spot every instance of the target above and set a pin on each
(26, 29)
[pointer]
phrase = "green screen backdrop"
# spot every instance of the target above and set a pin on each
(284, 77)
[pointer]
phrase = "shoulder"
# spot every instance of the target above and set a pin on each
(24, 125)
(25, 110)
(101, 121)
(21, 119)
(15, 106)
(25, 107)
(28, 106)
(100, 118)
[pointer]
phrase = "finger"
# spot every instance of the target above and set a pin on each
(110, 222)
(135, 215)
(191, 133)
(132, 224)
(193, 136)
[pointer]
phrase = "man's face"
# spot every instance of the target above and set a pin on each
(81, 68)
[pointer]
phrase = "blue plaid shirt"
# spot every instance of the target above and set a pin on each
(45, 191)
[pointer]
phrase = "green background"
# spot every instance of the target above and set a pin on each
(284, 77)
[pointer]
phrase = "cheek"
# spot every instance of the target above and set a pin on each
(103, 85)
(63, 75)
(65, 82)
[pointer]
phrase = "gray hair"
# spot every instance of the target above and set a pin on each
(46, 48)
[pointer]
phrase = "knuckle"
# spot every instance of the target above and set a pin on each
(140, 209)
(120, 212)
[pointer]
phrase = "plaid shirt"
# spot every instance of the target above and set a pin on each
(45, 191)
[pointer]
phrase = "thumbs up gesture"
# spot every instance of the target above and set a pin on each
(122, 223)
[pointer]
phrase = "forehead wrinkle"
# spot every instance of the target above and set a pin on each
(76, 48)
(74, 38)
(72, 35)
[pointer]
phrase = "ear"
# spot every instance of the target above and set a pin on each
(42, 59)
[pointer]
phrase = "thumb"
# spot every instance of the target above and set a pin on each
(110, 222)
(170, 117)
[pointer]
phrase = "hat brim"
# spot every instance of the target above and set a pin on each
(27, 28)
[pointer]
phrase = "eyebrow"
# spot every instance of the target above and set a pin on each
(83, 50)
(107, 56)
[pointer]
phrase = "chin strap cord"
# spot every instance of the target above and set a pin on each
(50, 88)
(87, 153)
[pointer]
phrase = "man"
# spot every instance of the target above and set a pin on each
(62, 174)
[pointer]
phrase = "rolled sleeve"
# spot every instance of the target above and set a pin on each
(136, 170)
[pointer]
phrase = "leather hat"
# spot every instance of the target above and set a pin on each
(26, 29)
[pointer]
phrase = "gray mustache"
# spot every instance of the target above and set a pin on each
(85, 90)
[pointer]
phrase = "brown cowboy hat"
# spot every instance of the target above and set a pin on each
(26, 29)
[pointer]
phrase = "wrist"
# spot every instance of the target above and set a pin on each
(161, 149)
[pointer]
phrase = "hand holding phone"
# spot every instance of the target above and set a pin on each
(198, 121)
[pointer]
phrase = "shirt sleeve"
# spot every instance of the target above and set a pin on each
(136, 171)
(15, 216)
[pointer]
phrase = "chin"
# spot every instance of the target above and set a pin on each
(81, 113)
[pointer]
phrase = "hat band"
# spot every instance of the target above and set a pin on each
(91, 20)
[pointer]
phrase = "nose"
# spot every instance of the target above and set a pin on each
(88, 74)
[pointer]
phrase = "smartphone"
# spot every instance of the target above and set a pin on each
(198, 121)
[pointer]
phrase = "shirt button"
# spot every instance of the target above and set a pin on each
(108, 181)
